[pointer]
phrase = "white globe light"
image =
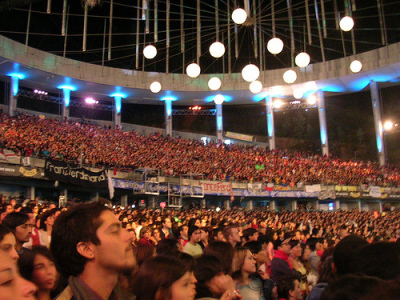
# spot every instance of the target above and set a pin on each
(150, 51)
(289, 76)
(193, 70)
(302, 60)
(298, 94)
(388, 125)
(155, 87)
(346, 23)
(312, 100)
(256, 87)
(278, 103)
(275, 45)
(219, 99)
(217, 49)
(355, 66)
(250, 72)
(239, 16)
(214, 83)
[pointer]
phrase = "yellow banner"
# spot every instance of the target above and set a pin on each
(27, 173)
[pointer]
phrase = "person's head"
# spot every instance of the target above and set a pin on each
(166, 223)
(250, 234)
(223, 251)
(144, 232)
(232, 235)
(183, 231)
(90, 233)
(296, 250)
(243, 262)
(143, 221)
(7, 242)
(259, 254)
(39, 267)
(195, 222)
(194, 234)
(47, 218)
(12, 285)
(208, 269)
(156, 233)
(289, 288)
(345, 255)
(169, 247)
(143, 252)
(314, 244)
(283, 246)
(19, 224)
(164, 278)
(218, 234)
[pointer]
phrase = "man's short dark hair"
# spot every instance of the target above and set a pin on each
(285, 285)
(247, 233)
(78, 224)
(15, 219)
(192, 229)
(254, 246)
(344, 254)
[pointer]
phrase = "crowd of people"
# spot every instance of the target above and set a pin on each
(96, 251)
(173, 156)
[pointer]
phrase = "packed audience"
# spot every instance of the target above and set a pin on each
(96, 251)
(173, 156)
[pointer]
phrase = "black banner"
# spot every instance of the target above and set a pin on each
(69, 173)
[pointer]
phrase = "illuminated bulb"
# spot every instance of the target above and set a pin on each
(388, 125)
(302, 60)
(217, 49)
(155, 87)
(278, 103)
(193, 70)
(312, 100)
(150, 51)
(355, 66)
(250, 72)
(256, 87)
(214, 83)
(289, 76)
(298, 94)
(275, 45)
(219, 99)
(239, 16)
(346, 23)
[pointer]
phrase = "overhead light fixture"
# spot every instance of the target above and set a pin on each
(298, 94)
(355, 66)
(193, 70)
(239, 16)
(302, 60)
(218, 99)
(217, 49)
(289, 76)
(155, 87)
(388, 125)
(214, 83)
(256, 87)
(150, 51)
(278, 103)
(275, 45)
(312, 100)
(346, 23)
(250, 73)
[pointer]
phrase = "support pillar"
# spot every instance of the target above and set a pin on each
(12, 101)
(317, 205)
(152, 202)
(380, 206)
(337, 204)
(63, 198)
(30, 192)
(249, 205)
(272, 205)
(293, 205)
(124, 200)
(203, 203)
(359, 205)
(168, 117)
(117, 110)
(220, 128)
(376, 108)
(227, 204)
(322, 122)
(66, 102)
(270, 122)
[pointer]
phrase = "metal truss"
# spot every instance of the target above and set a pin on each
(201, 112)
(295, 106)
(59, 100)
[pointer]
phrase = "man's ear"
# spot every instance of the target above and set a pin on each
(85, 249)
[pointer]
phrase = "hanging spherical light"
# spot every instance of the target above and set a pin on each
(275, 45)
(193, 70)
(155, 87)
(298, 94)
(217, 49)
(289, 76)
(239, 16)
(219, 99)
(214, 83)
(302, 60)
(346, 23)
(312, 100)
(250, 72)
(150, 51)
(355, 66)
(256, 87)
(277, 103)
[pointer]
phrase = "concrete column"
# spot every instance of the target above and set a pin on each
(227, 204)
(168, 117)
(270, 122)
(317, 205)
(337, 204)
(64, 197)
(272, 205)
(12, 101)
(66, 102)
(359, 205)
(152, 202)
(30, 192)
(117, 110)
(322, 122)
(203, 203)
(249, 205)
(380, 206)
(293, 205)
(220, 126)
(124, 200)
(376, 108)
